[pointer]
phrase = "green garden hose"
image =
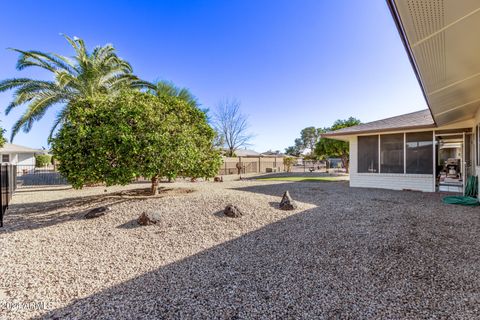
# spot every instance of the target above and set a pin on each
(470, 198)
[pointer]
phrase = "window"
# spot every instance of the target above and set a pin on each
(5, 158)
(367, 154)
(391, 153)
(419, 157)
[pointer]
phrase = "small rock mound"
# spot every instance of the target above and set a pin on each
(97, 212)
(149, 217)
(232, 211)
(287, 202)
(218, 179)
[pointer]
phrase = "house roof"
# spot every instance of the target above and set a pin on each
(414, 120)
(246, 153)
(272, 153)
(15, 148)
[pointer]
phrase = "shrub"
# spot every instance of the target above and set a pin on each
(288, 162)
(41, 160)
(112, 140)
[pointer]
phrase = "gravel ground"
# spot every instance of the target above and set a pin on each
(344, 253)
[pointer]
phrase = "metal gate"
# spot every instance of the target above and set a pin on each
(8, 184)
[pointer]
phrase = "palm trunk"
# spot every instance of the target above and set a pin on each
(154, 185)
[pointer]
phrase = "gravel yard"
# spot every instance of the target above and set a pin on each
(344, 253)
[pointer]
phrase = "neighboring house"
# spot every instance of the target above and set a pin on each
(438, 148)
(19, 155)
(271, 153)
(246, 153)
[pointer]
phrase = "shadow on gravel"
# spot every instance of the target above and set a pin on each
(275, 205)
(307, 174)
(37, 215)
(347, 258)
(28, 216)
(132, 224)
(30, 189)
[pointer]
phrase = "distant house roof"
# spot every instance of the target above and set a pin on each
(15, 148)
(271, 153)
(246, 153)
(415, 120)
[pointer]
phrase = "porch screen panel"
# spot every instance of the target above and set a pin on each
(419, 157)
(391, 153)
(368, 154)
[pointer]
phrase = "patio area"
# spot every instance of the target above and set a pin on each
(344, 253)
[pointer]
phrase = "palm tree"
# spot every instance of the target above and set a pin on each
(166, 88)
(85, 75)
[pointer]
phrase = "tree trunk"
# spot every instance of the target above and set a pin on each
(154, 185)
(345, 163)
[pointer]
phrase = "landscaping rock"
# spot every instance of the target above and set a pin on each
(97, 212)
(287, 202)
(232, 211)
(218, 179)
(149, 217)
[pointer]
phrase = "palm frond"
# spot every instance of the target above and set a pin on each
(13, 83)
(142, 84)
(86, 74)
(32, 90)
(29, 59)
(59, 119)
(35, 111)
(165, 88)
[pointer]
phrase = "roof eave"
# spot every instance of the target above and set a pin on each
(401, 31)
(356, 133)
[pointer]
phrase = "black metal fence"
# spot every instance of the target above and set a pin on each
(8, 184)
(39, 176)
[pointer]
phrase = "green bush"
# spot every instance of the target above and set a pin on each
(42, 160)
(288, 162)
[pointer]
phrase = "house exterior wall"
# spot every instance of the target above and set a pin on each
(21, 159)
(400, 181)
(12, 157)
(26, 159)
(393, 181)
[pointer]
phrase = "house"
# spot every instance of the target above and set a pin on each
(246, 153)
(437, 148)
(270, 153)
(19, 155)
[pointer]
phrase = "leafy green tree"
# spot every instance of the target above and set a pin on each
(288, 162)
(42, 160)
(309, 137)
(330, 148)
(296, 149)
(85, 75)
(113, 139)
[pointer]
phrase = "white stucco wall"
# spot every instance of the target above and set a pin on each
(21, 159)
(393, 181)
(26, 159)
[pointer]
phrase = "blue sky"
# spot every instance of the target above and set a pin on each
(292, 64)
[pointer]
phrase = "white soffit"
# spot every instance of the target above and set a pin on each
(444, 40)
